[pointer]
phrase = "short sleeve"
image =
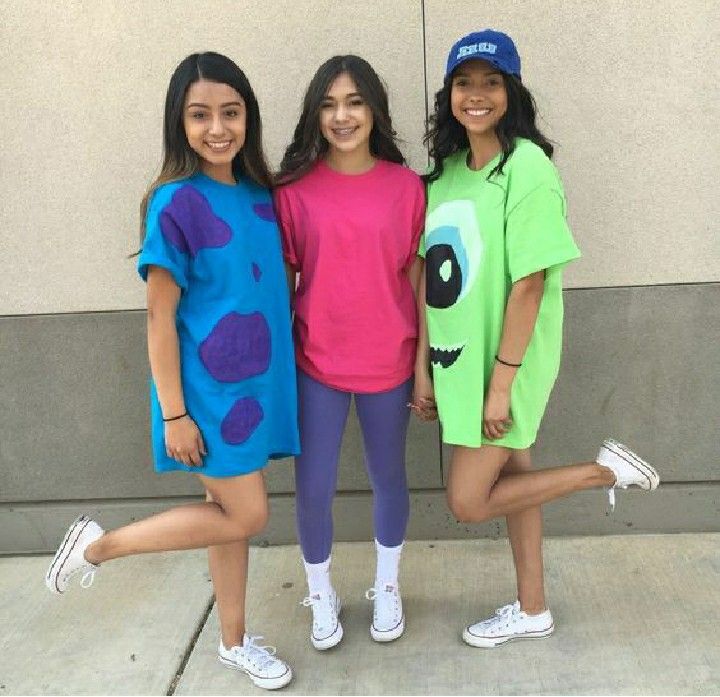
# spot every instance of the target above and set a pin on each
(287, 229)
(417, 222)
(164, 244)
(537, 236)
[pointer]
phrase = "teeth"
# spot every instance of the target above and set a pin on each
(219, 146)
(477, 112)
(343, 131)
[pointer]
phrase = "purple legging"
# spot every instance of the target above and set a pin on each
(384, 420)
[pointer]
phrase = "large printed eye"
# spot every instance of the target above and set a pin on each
(452, 253)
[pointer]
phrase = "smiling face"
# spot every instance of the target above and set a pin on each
(478, 99)
(345, 118)
(214, 121)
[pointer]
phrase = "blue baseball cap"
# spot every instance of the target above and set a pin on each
(489, 45)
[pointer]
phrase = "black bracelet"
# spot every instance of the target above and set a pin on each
(510, 365)
(175, 418)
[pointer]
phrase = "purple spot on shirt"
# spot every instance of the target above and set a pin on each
(265, 211)
(241, 421)
(257, 273)
(189, 224)
(237, 348)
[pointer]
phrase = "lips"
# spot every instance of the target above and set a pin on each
(220, 146)
(477, 112)
(445, 357)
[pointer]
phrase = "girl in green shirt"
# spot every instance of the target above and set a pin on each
(495, 242)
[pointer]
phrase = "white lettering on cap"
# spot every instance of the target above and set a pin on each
(483, 47)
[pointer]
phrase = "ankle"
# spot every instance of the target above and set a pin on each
(94, 552)
(604, 475)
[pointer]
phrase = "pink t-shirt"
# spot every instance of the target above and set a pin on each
(353, 238)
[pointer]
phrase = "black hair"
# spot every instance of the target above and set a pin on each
(308, 144)
(445, 135)
(179, 159)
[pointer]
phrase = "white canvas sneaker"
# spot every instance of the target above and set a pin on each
(628, 468)
(508, 623)
(260, 663)
(326, 628)
(388, 618)
(70, 560)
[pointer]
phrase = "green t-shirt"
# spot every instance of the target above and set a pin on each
(481, 236)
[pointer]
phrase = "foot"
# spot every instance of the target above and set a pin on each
(259, 663)
(326, 628)
(388, 618)
(508, 623)
(628, 468)
(70, 560)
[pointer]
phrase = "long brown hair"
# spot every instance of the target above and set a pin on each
(308, 144)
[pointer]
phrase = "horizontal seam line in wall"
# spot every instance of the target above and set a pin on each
(280, 494)
(567, 290)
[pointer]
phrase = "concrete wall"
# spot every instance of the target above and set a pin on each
(626, 90)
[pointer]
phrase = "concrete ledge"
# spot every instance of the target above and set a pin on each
(38, 527)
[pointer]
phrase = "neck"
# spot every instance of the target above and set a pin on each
(356, 161)
(222, 173)
(483, 148)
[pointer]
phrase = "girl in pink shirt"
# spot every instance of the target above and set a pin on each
(351, 214)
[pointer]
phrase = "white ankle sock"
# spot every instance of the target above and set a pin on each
(388, 564)
(318, 577)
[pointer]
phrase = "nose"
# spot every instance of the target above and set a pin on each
(216, 125)
(341, 113)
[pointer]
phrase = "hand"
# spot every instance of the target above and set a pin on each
(496, 414)
(184, 442)
(423, 399)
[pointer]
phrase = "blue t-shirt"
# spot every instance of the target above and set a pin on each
(221, 244)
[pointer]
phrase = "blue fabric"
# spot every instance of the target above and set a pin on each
(222, 246)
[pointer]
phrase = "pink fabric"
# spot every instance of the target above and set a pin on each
(352, 238)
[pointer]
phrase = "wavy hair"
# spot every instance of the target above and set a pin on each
(445, 135)
(308, 144)
(179, 159)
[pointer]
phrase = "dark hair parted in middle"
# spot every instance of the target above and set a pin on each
(308, 144)
(446, 136)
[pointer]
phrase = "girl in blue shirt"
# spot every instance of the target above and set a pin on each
(223, 390)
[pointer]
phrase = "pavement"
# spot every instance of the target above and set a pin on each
(636, 614)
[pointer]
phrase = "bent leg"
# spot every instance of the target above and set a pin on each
(242, 514)
(476, 494)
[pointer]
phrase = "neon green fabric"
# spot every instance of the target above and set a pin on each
(480, 237)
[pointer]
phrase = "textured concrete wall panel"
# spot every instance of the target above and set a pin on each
(87, 81)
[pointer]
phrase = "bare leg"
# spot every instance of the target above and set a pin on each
(228, 569)
(475, 493)
(525, 533)
(242, 513)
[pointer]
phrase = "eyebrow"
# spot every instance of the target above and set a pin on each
(222, 106)
(347, 96)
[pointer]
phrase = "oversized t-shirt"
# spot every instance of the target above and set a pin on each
(481, 236)
(353, 238)
(221, 244)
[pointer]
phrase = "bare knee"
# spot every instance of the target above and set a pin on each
(467, 507)
(249, 521)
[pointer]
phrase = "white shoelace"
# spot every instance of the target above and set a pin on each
(386, 600)
(503, 617)
(87, 578)
(323, 609)
(261, 656)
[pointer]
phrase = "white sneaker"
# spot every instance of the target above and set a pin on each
(326, 629)
(70, 560)
(508, 623)
(259, 662)
(388, 618)
(628, 468)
